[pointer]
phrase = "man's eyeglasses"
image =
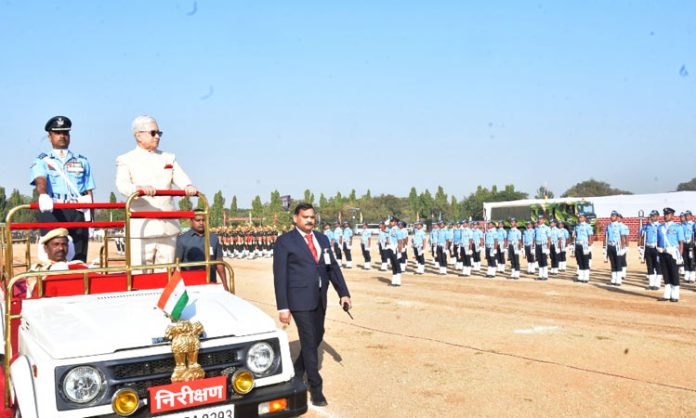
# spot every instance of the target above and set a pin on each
(154, 133)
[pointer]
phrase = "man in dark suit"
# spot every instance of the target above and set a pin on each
(303, 266)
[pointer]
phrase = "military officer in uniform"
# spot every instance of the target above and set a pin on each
(347, 244)
(146, 169)
(382, 244)
(466, 249)
(394, 245)
(338, 242)
(615, 242)
(529, 250)
(670, 245)
(563, 236)
(514, 239)
(442, 246)
(365, 238)
(583, 236)
(542, 241)
(477, 244)
(688, 254)
(434, 233)
(419, 247)
(649, 242)
(62, 176)
(491, 243)
(500, 251)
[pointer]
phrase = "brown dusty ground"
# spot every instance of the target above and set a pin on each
(475, 347)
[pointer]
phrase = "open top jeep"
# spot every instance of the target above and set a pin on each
(91, 342)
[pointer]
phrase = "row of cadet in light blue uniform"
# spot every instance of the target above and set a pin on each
(341, 239)
(665, 247)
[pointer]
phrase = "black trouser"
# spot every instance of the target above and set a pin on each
(346, 250)
(420, 258)
(652, 260)
(466, 258)
(458, 252)
(500, 254)
(396, 267)
(614, 258)
(366, 253)
(404, 255)
(476, 255)
(337, 250)
(670, 271)
(562, 255)
(582, 259)
(80, 236)
(382, 253)
(529, 253)
(442, 255)
(688, 257)
(541, 256)
(514, 258)
(491, 258)
(310, 328)
(554, 257)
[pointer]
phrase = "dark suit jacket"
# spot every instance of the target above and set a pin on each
(296, 275)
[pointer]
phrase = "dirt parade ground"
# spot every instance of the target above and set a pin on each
(446, 346)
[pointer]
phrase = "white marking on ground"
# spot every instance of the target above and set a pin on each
(321, 411)
(405, 303)
(539, 330)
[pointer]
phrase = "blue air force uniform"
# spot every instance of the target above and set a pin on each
(583, 239)
(365, 235)
(670, 239)
(69, 179)
(514, 236)
(649, 236)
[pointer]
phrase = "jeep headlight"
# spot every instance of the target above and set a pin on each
(83, 383)
(260, 358)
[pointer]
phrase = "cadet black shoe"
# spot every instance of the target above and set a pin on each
(318, 399)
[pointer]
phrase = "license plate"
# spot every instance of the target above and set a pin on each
(223, 411)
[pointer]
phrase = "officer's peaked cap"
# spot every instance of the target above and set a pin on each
(58, 123)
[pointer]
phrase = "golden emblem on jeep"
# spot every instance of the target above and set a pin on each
(185, 345)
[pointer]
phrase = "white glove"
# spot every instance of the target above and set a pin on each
(45, 203)
(545, 251)
(622, 252)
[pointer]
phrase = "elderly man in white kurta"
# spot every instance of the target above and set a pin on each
(147, 169)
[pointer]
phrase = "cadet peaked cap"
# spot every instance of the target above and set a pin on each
(613, 212)
(58, 124)
(688, 212)
(54, 233)
(553, 221)
(654, 212)
(667, 210)
(441, 222)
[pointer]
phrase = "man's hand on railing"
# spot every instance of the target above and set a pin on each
(146, 190)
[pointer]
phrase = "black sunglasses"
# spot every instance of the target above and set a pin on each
(153, 133)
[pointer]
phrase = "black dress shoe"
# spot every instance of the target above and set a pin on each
(674, 300)
(318, 399)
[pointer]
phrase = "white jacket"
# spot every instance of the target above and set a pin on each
(140, 167)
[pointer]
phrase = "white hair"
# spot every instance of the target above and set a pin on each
(140, 122)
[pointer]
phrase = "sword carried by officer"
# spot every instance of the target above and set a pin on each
(641, 237)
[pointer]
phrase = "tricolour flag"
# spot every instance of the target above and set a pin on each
(174, 297)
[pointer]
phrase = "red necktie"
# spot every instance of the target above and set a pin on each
(312, 249)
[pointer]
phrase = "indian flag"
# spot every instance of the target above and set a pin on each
(174, 297)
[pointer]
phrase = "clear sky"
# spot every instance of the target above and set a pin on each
(260, 95)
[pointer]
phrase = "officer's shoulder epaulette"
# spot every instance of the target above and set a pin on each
(79, 156)
(42, 156)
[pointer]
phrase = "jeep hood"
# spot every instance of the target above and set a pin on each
(67, 327)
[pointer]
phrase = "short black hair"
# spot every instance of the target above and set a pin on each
(302, 206)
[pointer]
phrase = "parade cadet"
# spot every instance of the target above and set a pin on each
(442, 245)
(467, 237)
(625, 232)
(338, 242)
(542, 242)
(403, 236)
(329, 234)
(62, 176)
(477, 243)
(514, 241)
(55, 243)
(347, 244)
(365, 235)
(670, 243)
(688, 254)
(450, 243)
(457, 243)
(563, 243)
(382, 244)
(529, 250)
(419, 247)
(146, 169)
(500, 250)
(394, 248)
(554, 250)
(434, 234)
(491, 244)
(648, 236)
(583, 236)
(614, 243)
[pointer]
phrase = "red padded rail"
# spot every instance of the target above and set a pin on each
(188, 214)
(166, 193)
(69, 225)
(82, 206)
